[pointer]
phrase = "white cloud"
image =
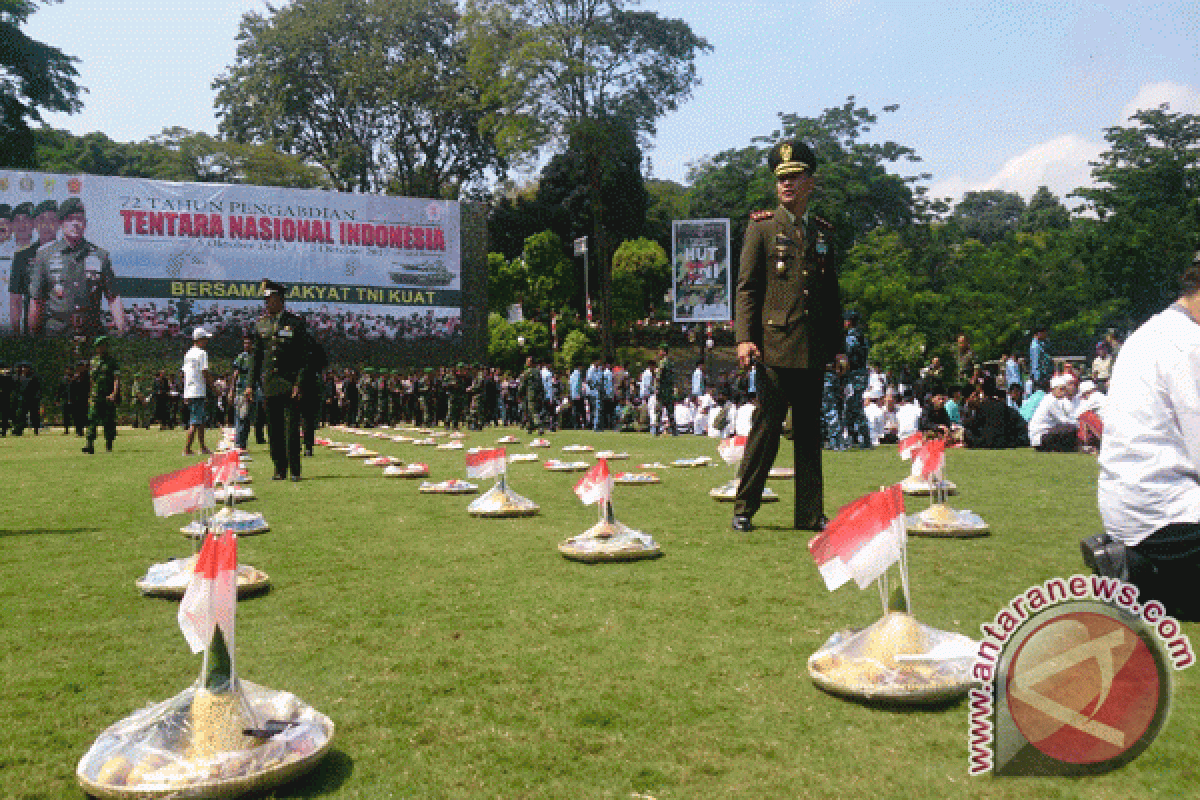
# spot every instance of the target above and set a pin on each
(1060, 164)
(1181, 98)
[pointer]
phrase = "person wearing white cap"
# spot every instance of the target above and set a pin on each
(196, 382)
(1053, 427)
(1148, 490)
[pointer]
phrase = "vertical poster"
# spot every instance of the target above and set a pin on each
(700, 274)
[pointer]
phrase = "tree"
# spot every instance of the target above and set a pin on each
(989, 215)
(33, 77)
(667, 201)
(375, 91)
(551, 63)
(549, 283)
(1045, 212)
(1148, 207)
(641, 276)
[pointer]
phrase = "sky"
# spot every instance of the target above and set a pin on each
(991, 95)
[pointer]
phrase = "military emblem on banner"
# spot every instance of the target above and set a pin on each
(49, 183)
(74, 185)
(433, 212)
(26, 183)
(4, 183)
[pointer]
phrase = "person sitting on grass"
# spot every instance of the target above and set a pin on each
(1053, 428)
(1148, 490)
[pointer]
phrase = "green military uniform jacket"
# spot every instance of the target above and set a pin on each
(103, 372)
(280, 353)
(71, 282)
(787, 300)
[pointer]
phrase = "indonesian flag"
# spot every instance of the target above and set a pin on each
(596, 485)
(910, 444)
(930, 458)
(211, 598)
(182, 491)
(863, 541)
(732, 449)
(486, 463)
(224, 466)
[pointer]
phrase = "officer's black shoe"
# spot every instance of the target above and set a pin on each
(295, 479)
(108, 445)
(742, 524)
(278, 476)
(817, 525)
(87, 448)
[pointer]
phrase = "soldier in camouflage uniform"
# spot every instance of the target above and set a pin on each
(68, 280)
(530, 392)
(139, 397)
(833, 402)
(455, 396)
(475, 393)
(858, 433)
(425, 397)
(664, 390)
(102, 403)
(368, 391)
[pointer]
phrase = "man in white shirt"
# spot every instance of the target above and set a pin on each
(875, 414)
(908, 415)
(1052, 428)
(1148, 491)
(196, 381)
(743, 420)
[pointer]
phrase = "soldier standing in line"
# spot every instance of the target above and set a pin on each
(28, 403)
(7, 388)
(664, 391)
(529, 391)
(453, 385)
(81, 396)
(281, 363)
(367, 398)
(788, 323)
(137, 396)
(63, 395)
(425, 397)
(833, 406)
(19, 272)
(475, 395)
(106, 387)
(858, 433)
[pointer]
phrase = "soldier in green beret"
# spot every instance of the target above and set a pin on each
(69, 278)
(455, 396)
(788, 321)
(281, 362)
(102, 403)
(530, 392)
(24, 249)
(368, 391)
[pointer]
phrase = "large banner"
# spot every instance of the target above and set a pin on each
(700, 285)
(81, 255)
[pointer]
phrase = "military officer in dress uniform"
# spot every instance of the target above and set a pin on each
(69, 277)
(788, 322)
(281, 362)
(102, 400)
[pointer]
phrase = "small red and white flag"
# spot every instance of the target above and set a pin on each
(486, 463)
(182, 491)
(210, 601)
(732, 449)
(930, 458)
(910, 444)
(865, 538)
(224, 466)
(596, 485)
(589, 309)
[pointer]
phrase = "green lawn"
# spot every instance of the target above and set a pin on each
(462, 657)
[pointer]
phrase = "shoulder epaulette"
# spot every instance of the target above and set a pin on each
(759, 216)
(822, 223)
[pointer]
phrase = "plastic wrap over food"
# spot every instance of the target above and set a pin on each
(171, 579)
(207, 744)
(452, 486)
(897, 659)
(609, 455)
(610, 540)
(555, 465)
(782, 472)
(636, 478)
(243, 523)
(501, 501)
(698, 461)
(941, 520)
(415, 470)
(917, 485)
(727, 492)
(233, 494)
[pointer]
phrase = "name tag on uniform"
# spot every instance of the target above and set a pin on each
(286, 333)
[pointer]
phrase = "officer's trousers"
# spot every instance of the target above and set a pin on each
(778, 389)
(283, 433)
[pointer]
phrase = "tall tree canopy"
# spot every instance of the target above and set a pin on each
(990, 214)
(550, 63)
(375, 91)
(33, 77)
(1148, 200)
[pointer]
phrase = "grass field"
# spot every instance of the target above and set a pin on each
(463, 657)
